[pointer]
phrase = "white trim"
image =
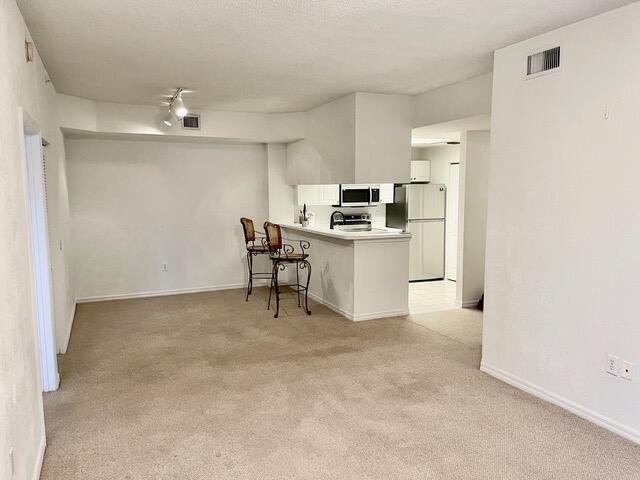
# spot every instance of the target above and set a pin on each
(163, 293)
(377, 315)
(360, 317)
(39, 255)
(37, 468)
(579, 410)
(63, 350)
(466, 303)
(331, 306)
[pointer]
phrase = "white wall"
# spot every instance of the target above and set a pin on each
(562, 263)
(138, 204)
(60, 241)
(440, 157)
(472, 214)
(23, 86)
(281, 195)
(103, 117)
(453, 102)
(328, 151)
(323, 213)
(383, 138)
(358, 138)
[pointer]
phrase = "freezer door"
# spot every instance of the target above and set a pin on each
(425, 201)
(426, 250)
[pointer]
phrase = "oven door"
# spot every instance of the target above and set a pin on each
(355, 195)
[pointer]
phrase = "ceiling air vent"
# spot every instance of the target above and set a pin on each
(191, 122)
(543, 61)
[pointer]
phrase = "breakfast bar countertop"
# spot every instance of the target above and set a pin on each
(378, 233)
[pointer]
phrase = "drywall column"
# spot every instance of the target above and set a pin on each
(472, 217)
(562, 259)
(281, 195)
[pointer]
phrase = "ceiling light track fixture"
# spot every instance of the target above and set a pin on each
(177, 109)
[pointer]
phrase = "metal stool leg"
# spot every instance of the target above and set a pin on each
(275, 282)
(298, 282)
(271, 286)
(250, 281)
(306, 288)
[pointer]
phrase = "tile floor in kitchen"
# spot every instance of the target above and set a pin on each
(433, 296)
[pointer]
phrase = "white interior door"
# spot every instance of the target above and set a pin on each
(452, 221)
(41, 266)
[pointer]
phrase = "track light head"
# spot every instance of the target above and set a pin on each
(171, 117)
(177, 109)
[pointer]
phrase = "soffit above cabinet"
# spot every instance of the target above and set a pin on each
(359, 138)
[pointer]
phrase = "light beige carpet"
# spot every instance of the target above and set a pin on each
(461, 324)
(206, 386)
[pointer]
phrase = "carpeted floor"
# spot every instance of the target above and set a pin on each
(206, 386)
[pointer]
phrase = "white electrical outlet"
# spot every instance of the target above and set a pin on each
(612, 365)
(165, 267)
(627, 370)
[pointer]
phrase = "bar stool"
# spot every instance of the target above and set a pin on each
(282, 254)
(252, 251)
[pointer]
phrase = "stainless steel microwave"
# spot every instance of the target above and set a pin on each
(359, 195)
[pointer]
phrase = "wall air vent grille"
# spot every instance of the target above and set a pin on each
(543, 61)
(191, 122)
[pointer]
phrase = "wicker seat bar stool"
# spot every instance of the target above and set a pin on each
(253, 249)
(281, 255)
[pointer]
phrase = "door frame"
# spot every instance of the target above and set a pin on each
(39, 255)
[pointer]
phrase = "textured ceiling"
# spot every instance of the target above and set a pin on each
(279, 55)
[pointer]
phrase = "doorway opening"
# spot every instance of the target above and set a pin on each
(450, 165)
(40, 264)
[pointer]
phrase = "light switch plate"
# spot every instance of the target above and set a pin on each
(612, 365)
(627, 370)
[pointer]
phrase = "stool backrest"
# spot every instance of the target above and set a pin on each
(274, 236)
(248, 229)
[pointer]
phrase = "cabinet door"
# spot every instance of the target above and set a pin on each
(329, 194)
(308, 194)
(386, 193)
(420, 170)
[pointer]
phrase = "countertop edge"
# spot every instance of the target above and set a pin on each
(393, 236)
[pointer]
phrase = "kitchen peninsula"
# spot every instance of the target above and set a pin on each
(363, 275)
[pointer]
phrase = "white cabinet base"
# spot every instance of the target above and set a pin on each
(359, 279)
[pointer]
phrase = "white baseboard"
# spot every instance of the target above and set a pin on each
(378, 315)
(163, 293)
(361, 317)
(63, 350)
(467, 303)
(331, 306)
(583, 412)
(37, 468)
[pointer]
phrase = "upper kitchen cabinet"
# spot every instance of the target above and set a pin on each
(359, 138)
(318, 194)
(420, 170)
(386, 192)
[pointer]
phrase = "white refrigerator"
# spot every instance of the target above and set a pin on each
(420, 209)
